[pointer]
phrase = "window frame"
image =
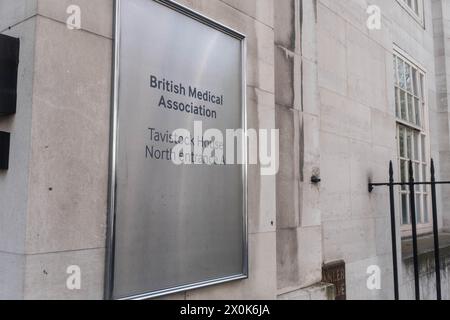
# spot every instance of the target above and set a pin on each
(419, 17)
(422, 130)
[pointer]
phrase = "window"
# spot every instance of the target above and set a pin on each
(410, 110)
(414, 7)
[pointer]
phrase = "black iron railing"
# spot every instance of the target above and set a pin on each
(411, 184)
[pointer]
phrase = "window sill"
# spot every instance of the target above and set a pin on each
(425, 245)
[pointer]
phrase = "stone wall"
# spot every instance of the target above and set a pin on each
(314, 71)
(299, 236)
(358, 135)
(54, 211)
(441, 23)
(18, 19)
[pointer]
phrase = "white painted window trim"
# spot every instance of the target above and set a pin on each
(420, 18)
(421, 228)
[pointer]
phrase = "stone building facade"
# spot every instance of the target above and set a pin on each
(314, 70)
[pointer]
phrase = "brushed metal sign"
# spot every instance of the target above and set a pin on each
(173, 227)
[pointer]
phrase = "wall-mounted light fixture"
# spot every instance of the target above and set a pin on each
(9, 63)
(5, 138)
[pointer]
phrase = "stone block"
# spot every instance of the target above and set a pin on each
(261, 10)
(70, 140)
(288, 177)
(12, 270)
(46, 275)
(350, 240)
(335, 173)
(284, 77)
(14, 182)
(310, 255)
(332, 63)
(14, 12)
(285, 22)
(96, 16)
(288, 269)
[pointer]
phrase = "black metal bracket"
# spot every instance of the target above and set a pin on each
(315, 179)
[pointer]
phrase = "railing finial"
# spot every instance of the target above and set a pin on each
(391, 172)
(432, 168)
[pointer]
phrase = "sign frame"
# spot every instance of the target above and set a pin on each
(114, 123)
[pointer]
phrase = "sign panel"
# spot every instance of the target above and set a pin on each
(174, 226)
(334, 273)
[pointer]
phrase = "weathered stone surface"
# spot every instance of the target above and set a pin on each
(96, 16)
(286, 18)
(320, 291)
(287, 258)
(14, 182)
(70, 140)
(284, 75)
(262, 192)
(46, 275)
(314, 71)
(12, 271)
(288, 176)
(16, 12)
